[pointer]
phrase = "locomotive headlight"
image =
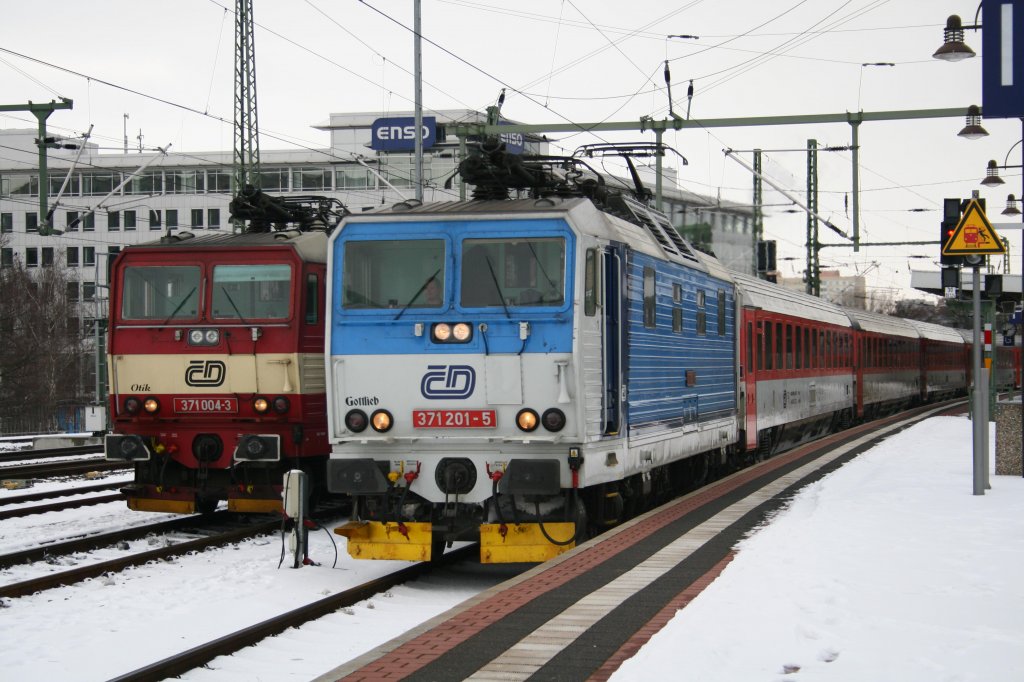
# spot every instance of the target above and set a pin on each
(281, 404)
(381, 420)
(356, 421)
(553, 419)
(203, 337)
(132, 405)
(260, 404)
(151, 405)
(527, 420)
(442, 332)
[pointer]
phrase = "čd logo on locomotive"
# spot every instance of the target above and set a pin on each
(442, 382)
(205, 373)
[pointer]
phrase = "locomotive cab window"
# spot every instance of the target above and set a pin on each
(251, 292)
(395, 274)
(160, 293)
(513, 272)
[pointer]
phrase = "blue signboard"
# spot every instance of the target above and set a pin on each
(515, 143)
(1002, 58)
(398, 134)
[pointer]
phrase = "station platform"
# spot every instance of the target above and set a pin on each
(581, 615)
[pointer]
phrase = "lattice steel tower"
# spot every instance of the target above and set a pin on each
(246, 171)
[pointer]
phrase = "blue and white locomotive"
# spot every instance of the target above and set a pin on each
(516, 371)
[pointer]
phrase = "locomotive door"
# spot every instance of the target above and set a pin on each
(612, 336)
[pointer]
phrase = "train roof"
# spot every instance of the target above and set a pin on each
(777, 299)
(311, 245)
(883, 324)
(936, 332)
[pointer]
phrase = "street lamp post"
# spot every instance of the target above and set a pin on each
(954, 49)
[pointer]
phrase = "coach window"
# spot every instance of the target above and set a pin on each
(778, 346)
(160, 293)
(767, 345)
(799, 351)
(789, 346)
(650, 300)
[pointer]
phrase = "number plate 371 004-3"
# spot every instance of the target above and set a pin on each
(201, 405)
(454, 419)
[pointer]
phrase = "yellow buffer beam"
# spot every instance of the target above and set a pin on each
(523, 542)
(376, 540)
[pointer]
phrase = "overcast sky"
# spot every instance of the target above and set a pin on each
(170, 68)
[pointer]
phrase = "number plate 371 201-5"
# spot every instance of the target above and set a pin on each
(454, 419)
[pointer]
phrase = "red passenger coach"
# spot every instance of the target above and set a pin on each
(797, 365)
(945, 358)
(216, 368)
(888, 362)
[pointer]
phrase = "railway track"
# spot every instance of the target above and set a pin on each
(227, 530)
(62, 468)
(63, 492)
(77, 497)
(236, 641)
(50, 453)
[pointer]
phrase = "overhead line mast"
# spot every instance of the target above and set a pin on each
(246, 168)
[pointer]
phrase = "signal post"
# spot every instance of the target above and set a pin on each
(973, 238)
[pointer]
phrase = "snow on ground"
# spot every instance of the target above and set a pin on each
(887, 569)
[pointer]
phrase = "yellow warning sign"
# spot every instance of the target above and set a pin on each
(973, 235)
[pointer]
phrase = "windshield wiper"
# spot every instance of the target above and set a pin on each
(497, 287)
(419, 291)
(232, 302)
(183, 300)
(540, 265)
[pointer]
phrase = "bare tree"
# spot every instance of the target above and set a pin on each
(40, 363)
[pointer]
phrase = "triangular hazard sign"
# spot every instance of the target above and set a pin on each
(973, 235)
